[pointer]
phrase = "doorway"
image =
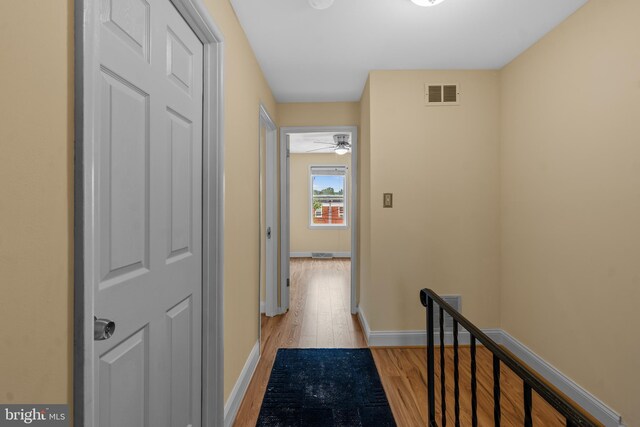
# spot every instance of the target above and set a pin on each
(322, 312)
(268, 202)
(319, 213)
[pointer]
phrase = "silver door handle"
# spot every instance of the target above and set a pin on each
(103, 329)
(268, 232)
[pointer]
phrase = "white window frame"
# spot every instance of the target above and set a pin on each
(345, 196)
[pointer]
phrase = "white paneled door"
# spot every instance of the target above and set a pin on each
(148, 217)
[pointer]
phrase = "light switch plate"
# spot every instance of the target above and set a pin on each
(387, 200)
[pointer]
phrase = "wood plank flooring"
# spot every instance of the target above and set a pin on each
(319, 317)
(403, 372)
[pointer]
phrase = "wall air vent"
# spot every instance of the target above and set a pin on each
(322, 255)
(443, 94)
(454, 301)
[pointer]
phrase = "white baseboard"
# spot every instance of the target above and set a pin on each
(240, 388)
(262, 307)
(308, 254)
(575, 392)
(582, 397)
(363, 323)
(413, 338)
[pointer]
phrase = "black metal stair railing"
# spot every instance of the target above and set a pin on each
(530, 381)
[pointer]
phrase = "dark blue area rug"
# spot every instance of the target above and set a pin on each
(325, 387)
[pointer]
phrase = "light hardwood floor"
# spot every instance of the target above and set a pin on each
(319, 317)
(403, 373)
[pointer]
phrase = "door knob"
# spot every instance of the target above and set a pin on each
(103, 329)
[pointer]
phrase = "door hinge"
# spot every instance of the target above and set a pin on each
(287, 283)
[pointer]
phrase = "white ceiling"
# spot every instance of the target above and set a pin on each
(305, 142)
(310, 55)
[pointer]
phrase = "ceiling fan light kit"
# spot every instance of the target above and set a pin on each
(340, 145)
(320, 4)
(341, 150)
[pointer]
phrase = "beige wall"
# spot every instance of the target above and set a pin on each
(36, 223)
(303, 238)
(441, 164)
(244, 88)
(319, 114)
(570, 201)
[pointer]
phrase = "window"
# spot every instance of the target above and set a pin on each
(328, 196)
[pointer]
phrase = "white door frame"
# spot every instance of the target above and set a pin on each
(284, 207)
(86, 86)
(271, 220)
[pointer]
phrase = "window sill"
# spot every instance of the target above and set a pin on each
(328, 227)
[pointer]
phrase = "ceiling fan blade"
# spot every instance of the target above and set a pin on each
(323, 142)
(318, 149)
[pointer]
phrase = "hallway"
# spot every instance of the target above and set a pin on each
(318, 317)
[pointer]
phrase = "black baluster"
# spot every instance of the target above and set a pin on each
(443, 391)
(572, 414)
(456, 372)
(474, 397)
(527, 406)
(430, 368)
(496, 391)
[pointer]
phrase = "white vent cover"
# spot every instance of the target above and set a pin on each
(454, 301)
(441, 94)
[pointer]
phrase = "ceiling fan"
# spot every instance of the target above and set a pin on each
(340, 145)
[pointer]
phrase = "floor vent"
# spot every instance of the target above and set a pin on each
(321, 255)
(454, 301)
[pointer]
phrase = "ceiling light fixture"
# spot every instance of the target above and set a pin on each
(320, 4)
(341, 150)
(342, 144)
(426, 2)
